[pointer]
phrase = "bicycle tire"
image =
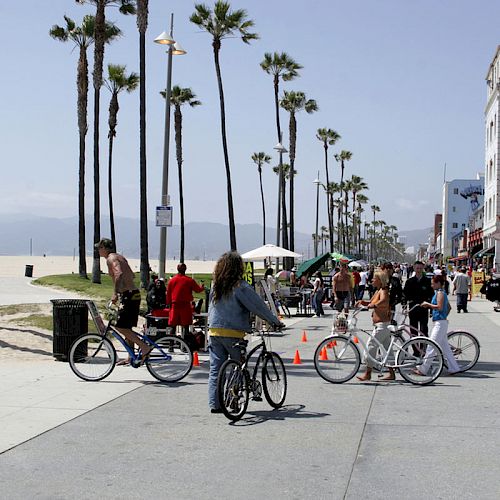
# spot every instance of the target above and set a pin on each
(411, 361)
(274, 382)
(92, 357)
(232, 390)
(171, 361)
(343, 359)
(465, 348)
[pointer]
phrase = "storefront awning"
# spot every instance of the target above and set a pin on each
(484, 253)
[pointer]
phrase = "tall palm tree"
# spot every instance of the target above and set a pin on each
(328, 137)
(342, 158)
(222, 23)
(117, 82)
(142, 26)
(82, 37)
(280, 66)
(331, 189)
(361, 199)
(357, 184)
(178, 98)
(374, 209)
(347, 189)
(126, 7)
(259, 159)
(293, 102)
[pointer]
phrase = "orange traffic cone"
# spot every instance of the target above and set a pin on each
(323, 356)
(196, 361)
(304, 336)
(296, 359)
(355, 340)
(334, 343)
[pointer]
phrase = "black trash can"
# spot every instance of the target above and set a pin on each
(70, 318)
(28, 272)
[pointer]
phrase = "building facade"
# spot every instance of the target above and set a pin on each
(491, 219)
(461, 198)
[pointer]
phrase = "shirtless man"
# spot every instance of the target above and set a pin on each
(126, 292)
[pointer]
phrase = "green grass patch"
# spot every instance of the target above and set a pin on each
(37, 321)
(18, 309)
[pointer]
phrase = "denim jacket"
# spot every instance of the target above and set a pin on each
(233, 311)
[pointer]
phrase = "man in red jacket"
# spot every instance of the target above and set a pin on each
(180, 297)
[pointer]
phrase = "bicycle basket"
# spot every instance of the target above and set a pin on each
(340, 324)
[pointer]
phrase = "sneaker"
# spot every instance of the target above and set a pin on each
(215, 410)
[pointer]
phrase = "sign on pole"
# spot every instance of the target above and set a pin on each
(164, 216)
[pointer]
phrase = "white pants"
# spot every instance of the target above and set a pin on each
(439, 334)
(383, 335)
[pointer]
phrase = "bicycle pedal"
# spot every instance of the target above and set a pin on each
(256, 398)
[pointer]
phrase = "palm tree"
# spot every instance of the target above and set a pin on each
(361, 199)
(280, 65)
(331, 189)
(116, 82)
(324, 237)
(142, 26)
(126, 7)
(224, 23)
(357, 185)
(293, 102)
(328, 137)
(342, 158)
(347, 189)
(179, 97)
(82, 37)
(259, 159)
(374, 209)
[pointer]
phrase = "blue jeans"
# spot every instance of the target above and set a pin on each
(219, 348)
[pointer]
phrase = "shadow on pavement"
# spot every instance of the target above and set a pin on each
(24, 349)
(45, 336)
(283, 413)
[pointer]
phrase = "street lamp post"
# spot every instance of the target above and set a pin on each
(174, 48)
(318, 183)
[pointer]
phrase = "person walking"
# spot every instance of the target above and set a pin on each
(418, 289)
(381, 317)
(439, 333)
(180, 299)
(461, 287)
(363, 276)
(126, 293)
(317, 295)
(342, 289)
(395, 287)
(231, 301)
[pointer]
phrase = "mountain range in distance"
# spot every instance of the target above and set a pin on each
(24, 234)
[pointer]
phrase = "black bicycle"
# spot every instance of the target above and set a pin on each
(235, 383)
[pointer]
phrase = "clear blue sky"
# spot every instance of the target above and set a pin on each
(402, 81)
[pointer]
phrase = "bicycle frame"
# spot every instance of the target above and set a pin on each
(246, 357)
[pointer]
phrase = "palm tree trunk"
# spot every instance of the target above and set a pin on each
(110, 191)
(142, 25)
(232, 227)
(346, 216)
(178, 149)
(329, 201)
(263, 207)
(82, 86)
(280, 173)
(342, 213)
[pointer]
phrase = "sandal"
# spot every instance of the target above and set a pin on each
(145, 355)
(123, 362)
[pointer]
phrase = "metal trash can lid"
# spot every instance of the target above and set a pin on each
(69, 302)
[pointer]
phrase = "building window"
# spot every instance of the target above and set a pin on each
(454, 209)
(454, 225)
(455, 191)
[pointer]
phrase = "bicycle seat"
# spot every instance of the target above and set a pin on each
(241, 344)
(393, 329)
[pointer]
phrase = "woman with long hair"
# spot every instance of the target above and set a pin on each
(317, 295)
(231, 302)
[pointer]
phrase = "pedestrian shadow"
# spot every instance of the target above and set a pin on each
(45, 336)
(284, 413)
(24, 349)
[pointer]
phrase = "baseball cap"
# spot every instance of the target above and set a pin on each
(105, 243)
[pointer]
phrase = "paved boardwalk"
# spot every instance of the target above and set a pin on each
(376, 440)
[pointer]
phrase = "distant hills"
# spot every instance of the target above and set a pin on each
(204, 240)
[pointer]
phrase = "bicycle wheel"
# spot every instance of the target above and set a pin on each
(411, 356)
(341, 361)
(171, 361)
(465, 348)
(232, 390)
(274, 380)
(92, 357)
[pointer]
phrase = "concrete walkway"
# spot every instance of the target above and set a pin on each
(375, 440)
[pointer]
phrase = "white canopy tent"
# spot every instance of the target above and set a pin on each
(269, 251)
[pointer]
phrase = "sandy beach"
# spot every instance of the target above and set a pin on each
(14, 266)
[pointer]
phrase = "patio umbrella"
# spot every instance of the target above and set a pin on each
(357, 263)
(267, 251)
(312, 265)
(339, 257)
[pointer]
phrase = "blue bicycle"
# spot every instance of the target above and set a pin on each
(93, 357)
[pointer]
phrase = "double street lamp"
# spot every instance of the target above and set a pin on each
(174, 48)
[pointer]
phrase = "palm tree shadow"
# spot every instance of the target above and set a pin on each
(283, 413)
(24, 349)
(45, 336)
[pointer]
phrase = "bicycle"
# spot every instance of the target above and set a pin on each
(337, 358)
(93, 357)
(235, 383)
(464, 345)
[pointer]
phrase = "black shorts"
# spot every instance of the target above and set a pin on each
(128, 314)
